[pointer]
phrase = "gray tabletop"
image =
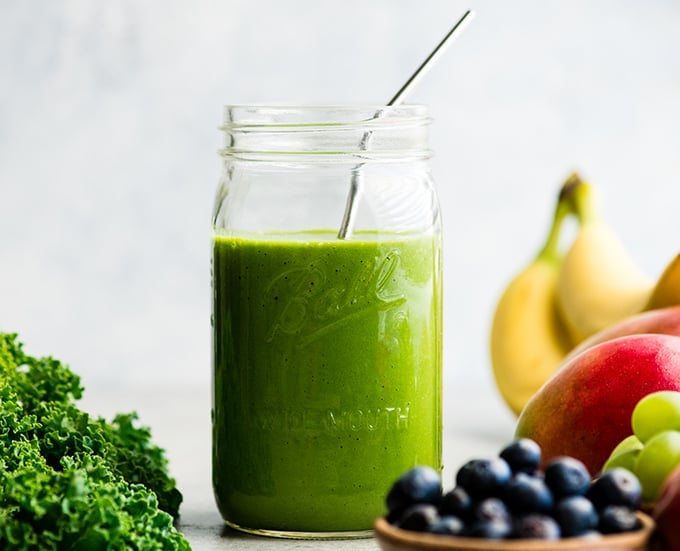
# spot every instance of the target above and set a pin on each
(476, 424)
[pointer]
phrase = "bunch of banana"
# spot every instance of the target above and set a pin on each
(558, 300)
(528, 338)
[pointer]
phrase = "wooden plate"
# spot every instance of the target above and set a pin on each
(396, 539)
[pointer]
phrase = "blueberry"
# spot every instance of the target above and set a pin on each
(484, 477)
(536, 526)
(576, 515)
(523, 455)
(528, 494)
(448, 525)
(419, 518)
(456, 502)
(418, 485)
(393, 516)
(494, 529)
(616, 487)
(618, 518)
(491, 509)
(566, 476)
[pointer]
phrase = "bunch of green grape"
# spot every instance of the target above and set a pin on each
(653, 450)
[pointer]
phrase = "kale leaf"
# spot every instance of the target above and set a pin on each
(69, 481)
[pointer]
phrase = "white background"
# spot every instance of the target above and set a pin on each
(108, 139)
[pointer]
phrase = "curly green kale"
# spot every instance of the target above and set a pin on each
(69, 481)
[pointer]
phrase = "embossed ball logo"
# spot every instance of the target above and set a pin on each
(312, 308)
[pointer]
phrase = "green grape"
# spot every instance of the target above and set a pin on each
(629, 443)
(625, 454)
(626, 459)
(655, 413)
(657, 459)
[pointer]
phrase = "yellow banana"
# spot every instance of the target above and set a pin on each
(667, 289)
(598, 283)
(528, 340)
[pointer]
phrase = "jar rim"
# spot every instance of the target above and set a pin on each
(267, 115)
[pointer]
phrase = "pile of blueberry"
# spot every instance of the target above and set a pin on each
(508, 497)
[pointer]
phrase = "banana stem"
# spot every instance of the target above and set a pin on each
(550, 251)
(581, 197)
(576, 198)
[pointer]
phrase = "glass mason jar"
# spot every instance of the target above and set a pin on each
(327, 342)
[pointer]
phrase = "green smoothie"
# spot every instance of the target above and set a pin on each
(327, 375)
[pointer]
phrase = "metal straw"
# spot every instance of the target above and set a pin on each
(347, 225)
